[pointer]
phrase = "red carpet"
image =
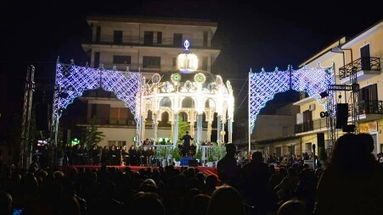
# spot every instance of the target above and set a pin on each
(202, 169)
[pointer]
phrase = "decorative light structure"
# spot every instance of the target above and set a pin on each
(208, 95)
(264, 85)
(72, 81)
(187, 62)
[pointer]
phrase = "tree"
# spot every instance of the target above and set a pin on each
(91, 135)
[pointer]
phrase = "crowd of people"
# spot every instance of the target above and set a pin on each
(350, 183)
(113, 155)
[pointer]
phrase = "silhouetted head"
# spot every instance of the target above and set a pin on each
(292, 207)
(352, 153)
(367, 141)
(225, 200)
(230, 149)
(149, 185)
(211, 181)
(257, 157)
(146, 203)
(200, 204)
(5, 203)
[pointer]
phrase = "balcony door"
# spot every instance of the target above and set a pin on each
(368, 97)
(307, 120)
(365, 57)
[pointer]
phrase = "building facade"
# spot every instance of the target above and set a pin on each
(355, 61)
(146, 45)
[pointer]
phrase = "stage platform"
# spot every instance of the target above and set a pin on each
(203, 169)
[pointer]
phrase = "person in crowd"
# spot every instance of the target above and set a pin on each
(227, 168)
(226, 200)
(147, 203)
(210, 185)
(286, 189)
(5, 203)
(199, 204)
(292, 207)
(352, 182)
(256, 187)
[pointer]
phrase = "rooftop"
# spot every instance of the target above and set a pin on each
(154, 20)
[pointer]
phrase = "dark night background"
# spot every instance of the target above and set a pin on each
(250, 34)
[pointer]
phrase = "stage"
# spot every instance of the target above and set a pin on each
(202, 169)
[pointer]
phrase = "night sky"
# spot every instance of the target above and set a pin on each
(250, 33)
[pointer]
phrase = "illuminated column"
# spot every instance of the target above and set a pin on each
(208, 134)
(219, 119)
(155, 127)
(199, 128)
(143, 129)
(222, 132)
(175, 129)
(191, 125)
(230, 130)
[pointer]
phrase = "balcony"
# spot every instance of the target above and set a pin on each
(364, 68)
(311, 125)
(368, 110)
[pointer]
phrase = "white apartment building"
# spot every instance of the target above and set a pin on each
(147, 45)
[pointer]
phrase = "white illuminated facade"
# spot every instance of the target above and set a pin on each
(195, 95)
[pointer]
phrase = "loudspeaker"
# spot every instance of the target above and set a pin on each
(193, 162)
(341, 115)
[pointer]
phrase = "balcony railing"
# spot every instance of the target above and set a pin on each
(361, 64)
(370, 107)
(311, 125)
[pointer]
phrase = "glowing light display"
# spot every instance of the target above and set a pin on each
(264, 85)
(187, 62)
(72, 81)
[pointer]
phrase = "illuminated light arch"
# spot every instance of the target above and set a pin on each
(71, 82)
(263, 86)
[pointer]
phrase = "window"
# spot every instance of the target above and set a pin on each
(309, 147)
(121, 59)
(177, 40)
(174, 62)
(98, 33)
(204, 63)
(151, 62)
(365, 57)
(111, 143)
(96, 59)
(117, 37)
(148, 37)
(369, 93)
(121, 143)
(159, 37)
(278, 151)
(205, 38)
(119, 116)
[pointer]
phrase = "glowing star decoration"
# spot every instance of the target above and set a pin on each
(187, 62)
(264, 85)
(72, 81)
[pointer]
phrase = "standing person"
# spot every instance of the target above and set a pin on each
(186, 144)
(256, 187)
(227, 168)
(352, 182)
